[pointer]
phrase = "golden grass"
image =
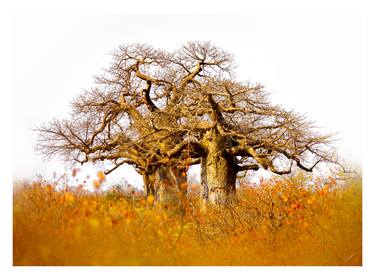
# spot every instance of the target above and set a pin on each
(296, 221)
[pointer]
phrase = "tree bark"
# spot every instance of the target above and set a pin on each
(149, 183)
(170, 186)
(204, 178)
(220, 171)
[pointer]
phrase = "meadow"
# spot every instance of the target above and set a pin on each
(298, 220)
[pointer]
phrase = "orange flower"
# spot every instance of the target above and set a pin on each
(194, 187)
(49, 188)
(101, 176)
(129, 216)
(323, 192)
(150, 199)
(96, 184)
(69, 197)
(183, 186)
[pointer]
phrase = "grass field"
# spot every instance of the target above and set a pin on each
(294, 221)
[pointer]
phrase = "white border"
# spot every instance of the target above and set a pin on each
(10, 7)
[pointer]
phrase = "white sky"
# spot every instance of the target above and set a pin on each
(311, 62)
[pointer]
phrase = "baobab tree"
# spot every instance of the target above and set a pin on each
(162, 112)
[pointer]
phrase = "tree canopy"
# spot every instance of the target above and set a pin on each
(163, 111)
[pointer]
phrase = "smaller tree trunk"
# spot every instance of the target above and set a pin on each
(149, 184)
(170, 186)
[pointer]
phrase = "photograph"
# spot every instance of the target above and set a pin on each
(187, 139)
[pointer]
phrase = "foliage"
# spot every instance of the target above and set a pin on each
(289, 221)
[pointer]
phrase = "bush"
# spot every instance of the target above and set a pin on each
(294, 221)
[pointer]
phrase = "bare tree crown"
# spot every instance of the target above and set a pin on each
(152, 107)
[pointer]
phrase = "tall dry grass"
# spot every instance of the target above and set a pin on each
(297, 221)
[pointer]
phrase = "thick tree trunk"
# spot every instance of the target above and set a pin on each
(170, 186)
(220, 172)
(204, 190)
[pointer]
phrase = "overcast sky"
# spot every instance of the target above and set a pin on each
(309, 62)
